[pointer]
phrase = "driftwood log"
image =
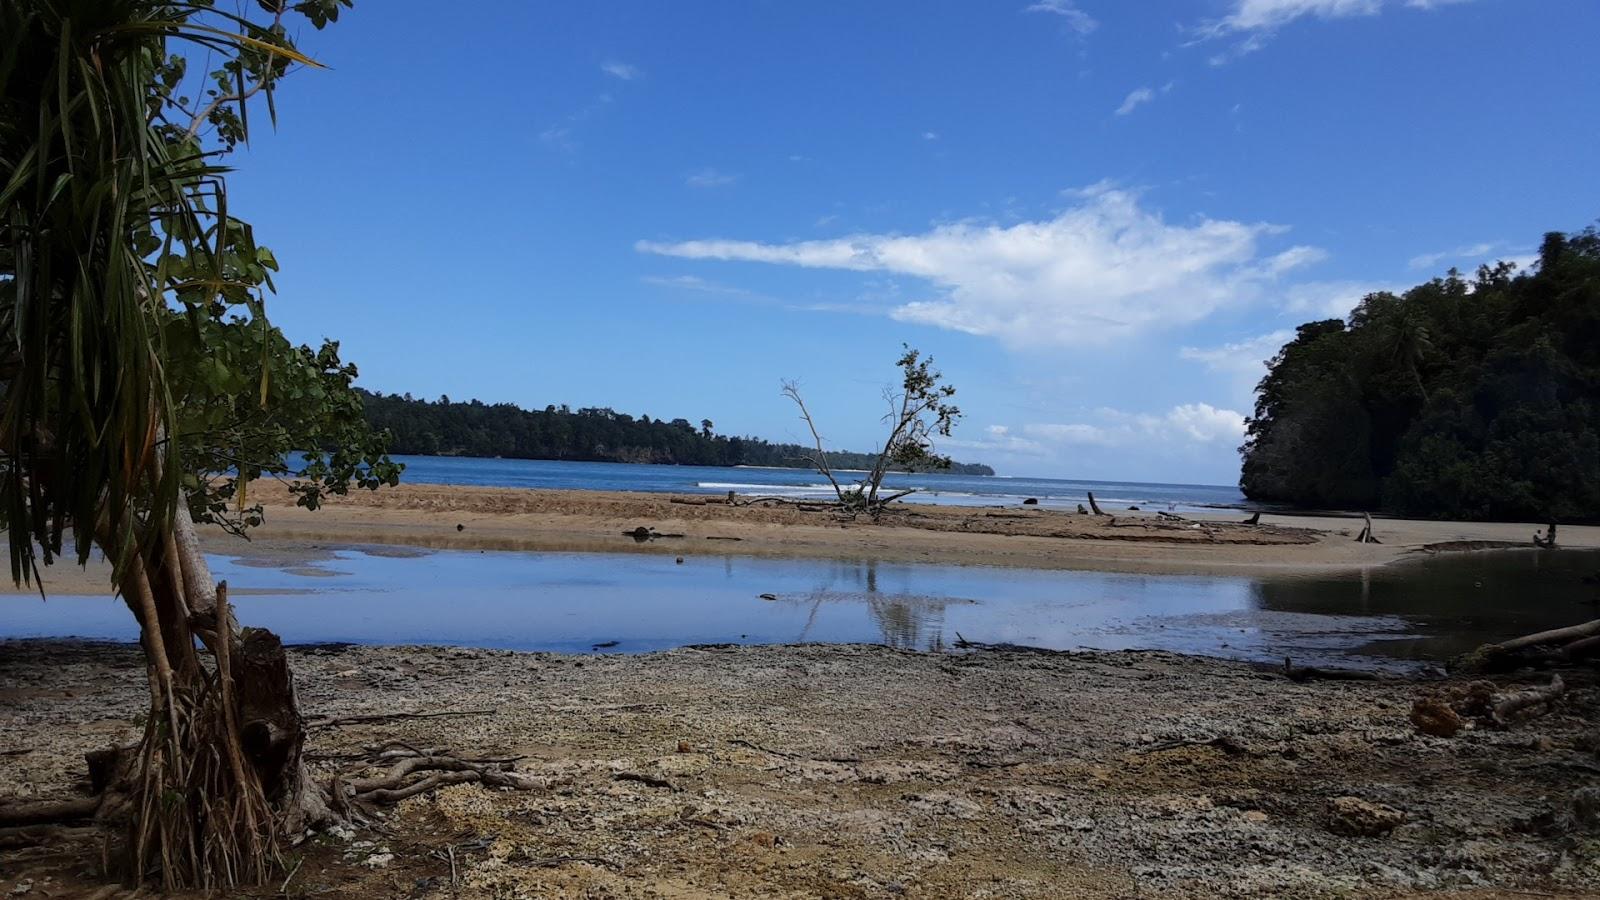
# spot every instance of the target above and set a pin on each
(1314, 673)
(1366, 536)
(1554, 647)
(1093, 506)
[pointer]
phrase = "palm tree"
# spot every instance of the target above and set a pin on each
(1408, 344)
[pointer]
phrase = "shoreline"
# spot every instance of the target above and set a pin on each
(864, 771)
(449, 517)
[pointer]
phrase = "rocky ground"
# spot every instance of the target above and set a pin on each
(849, 771)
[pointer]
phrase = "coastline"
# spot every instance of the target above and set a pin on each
(520, 519)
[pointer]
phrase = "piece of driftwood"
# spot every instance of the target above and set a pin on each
(1314, 673)
(1171, 517)
(1553, 636)
(1558, 646)
(1520, 704)
(1253, 520)
(1366, 536)
(1093, 506)
(719, 537)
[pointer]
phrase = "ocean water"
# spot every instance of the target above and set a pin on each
(965, 490)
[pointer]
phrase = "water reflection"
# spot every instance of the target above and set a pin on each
(571, 602)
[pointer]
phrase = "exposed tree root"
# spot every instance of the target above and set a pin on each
(408, 772)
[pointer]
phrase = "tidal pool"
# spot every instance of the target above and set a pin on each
(1402, 615)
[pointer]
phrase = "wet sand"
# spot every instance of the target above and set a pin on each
(479, 518)
(865, 772)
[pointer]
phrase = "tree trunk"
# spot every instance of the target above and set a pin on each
(218, 779)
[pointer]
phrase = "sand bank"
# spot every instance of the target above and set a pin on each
(484, 518)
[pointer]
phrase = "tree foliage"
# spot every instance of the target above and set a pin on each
(1475, 399)
(919, 410)
(472, 428)
(138, 371)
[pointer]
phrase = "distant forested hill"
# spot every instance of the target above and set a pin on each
(1476, 399)
(473, 428)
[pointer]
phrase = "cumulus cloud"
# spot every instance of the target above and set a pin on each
(1075, 18)
(1199, 423)
(1103, 268)
(620, 70)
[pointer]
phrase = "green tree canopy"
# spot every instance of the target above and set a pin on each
(1476, 399)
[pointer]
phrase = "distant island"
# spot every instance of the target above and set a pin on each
(1463, 398)
(445, 427)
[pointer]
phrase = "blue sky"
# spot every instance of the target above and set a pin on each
(1098, 216)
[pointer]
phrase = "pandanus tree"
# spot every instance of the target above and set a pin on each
(142, 388)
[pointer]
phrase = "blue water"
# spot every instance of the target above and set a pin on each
(1427, 610)
(965, 490)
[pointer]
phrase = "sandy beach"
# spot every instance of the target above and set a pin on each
(865, 772)
(482, 518)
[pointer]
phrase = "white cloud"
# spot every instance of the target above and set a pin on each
(1076, 19)
(1258, 19)
(998, 439)
(1473, 254)
(1101, 269)
(1268, 15)
(1199, 423)
(930, 135)
(1140, 96)
(1246, 358)
(620, 70)
(1332, 299)
(709, 178)
(1135, 99)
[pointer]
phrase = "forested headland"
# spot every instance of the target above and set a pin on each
(1470, 398)
(451, 428)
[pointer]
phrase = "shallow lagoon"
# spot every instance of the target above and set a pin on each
(1419, 611)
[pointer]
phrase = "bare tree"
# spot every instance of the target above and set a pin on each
(919, 411)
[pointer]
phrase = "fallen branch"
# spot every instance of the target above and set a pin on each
(389, 717)
(1253, 520)
(1558, 645)
(1522, 704)
(35, 835)
(1093, 506)
(1221, 742)
(650, 780)
(48, 812)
